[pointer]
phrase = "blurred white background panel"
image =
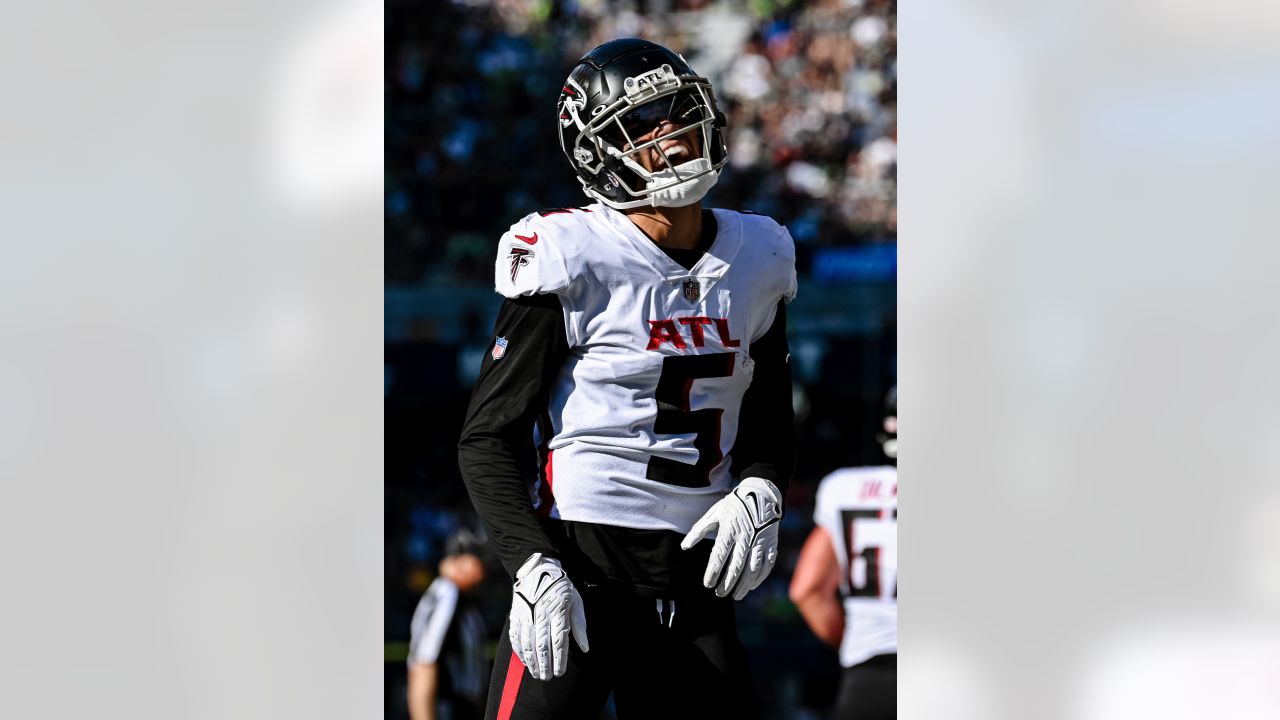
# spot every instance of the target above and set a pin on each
(190, 389)
(1088, 398)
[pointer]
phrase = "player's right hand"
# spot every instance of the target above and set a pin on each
(746, 547)
(545, 608)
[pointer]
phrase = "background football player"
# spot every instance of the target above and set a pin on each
(853, 550)
(642, 347)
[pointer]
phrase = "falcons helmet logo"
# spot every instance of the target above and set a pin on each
(571, 103)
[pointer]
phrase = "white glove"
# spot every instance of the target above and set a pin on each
(545, 606)
(746, 524)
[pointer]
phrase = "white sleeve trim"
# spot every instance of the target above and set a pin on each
(431, 622)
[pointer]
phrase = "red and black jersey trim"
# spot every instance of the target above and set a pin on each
(546, 473)
(562, 211)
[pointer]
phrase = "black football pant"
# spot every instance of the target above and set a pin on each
(869, 690)
(659, 665)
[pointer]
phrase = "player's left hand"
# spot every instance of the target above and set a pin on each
(746, 546)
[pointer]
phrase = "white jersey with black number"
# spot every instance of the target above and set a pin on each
(858, 507)
(644, 413)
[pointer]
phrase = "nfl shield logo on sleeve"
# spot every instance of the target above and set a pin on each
(499, 348)
(692, 290)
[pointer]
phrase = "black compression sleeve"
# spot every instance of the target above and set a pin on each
(509, 395)
(766, 446)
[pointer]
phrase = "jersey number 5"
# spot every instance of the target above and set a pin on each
(675, 418)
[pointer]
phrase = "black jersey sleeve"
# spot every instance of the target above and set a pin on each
(765, 446)
(496, 441)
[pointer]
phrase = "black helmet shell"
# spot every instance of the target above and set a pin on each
(598, 87)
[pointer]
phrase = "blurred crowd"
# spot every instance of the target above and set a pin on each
(810, 92)
(809, 89)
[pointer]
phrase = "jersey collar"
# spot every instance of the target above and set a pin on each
(713, 264)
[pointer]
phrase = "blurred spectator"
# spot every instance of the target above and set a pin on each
(448, 670)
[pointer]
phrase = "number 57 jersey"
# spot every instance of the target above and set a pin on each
(858, 507)
(643, 416)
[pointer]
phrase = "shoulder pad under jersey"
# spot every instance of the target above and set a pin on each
(530, 260)
(545, 252)
(845, 488)
(773, 247)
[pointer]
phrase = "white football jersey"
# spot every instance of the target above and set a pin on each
(644, 413)
(858, 507)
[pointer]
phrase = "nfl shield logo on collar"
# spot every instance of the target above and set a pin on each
(499, 348)
(692, 290)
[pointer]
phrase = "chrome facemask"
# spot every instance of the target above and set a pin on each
(607, 135)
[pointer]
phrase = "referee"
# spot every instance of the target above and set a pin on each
(448, 670)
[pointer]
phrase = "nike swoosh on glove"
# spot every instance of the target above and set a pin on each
(746, 546)
(545, 607)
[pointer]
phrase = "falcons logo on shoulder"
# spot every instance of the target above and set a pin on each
(519, 258)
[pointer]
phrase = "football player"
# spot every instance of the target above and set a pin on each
(853, 550)
(642, 347)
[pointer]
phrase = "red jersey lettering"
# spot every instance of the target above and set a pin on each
(695, 328)
(722, 327)
(661, 331)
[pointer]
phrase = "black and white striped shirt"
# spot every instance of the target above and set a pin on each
(449, 632)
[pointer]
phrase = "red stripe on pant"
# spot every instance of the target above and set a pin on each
(515, 673)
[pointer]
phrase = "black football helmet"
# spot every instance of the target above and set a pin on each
(620, 91)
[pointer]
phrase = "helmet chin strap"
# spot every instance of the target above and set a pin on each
(685, 193)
